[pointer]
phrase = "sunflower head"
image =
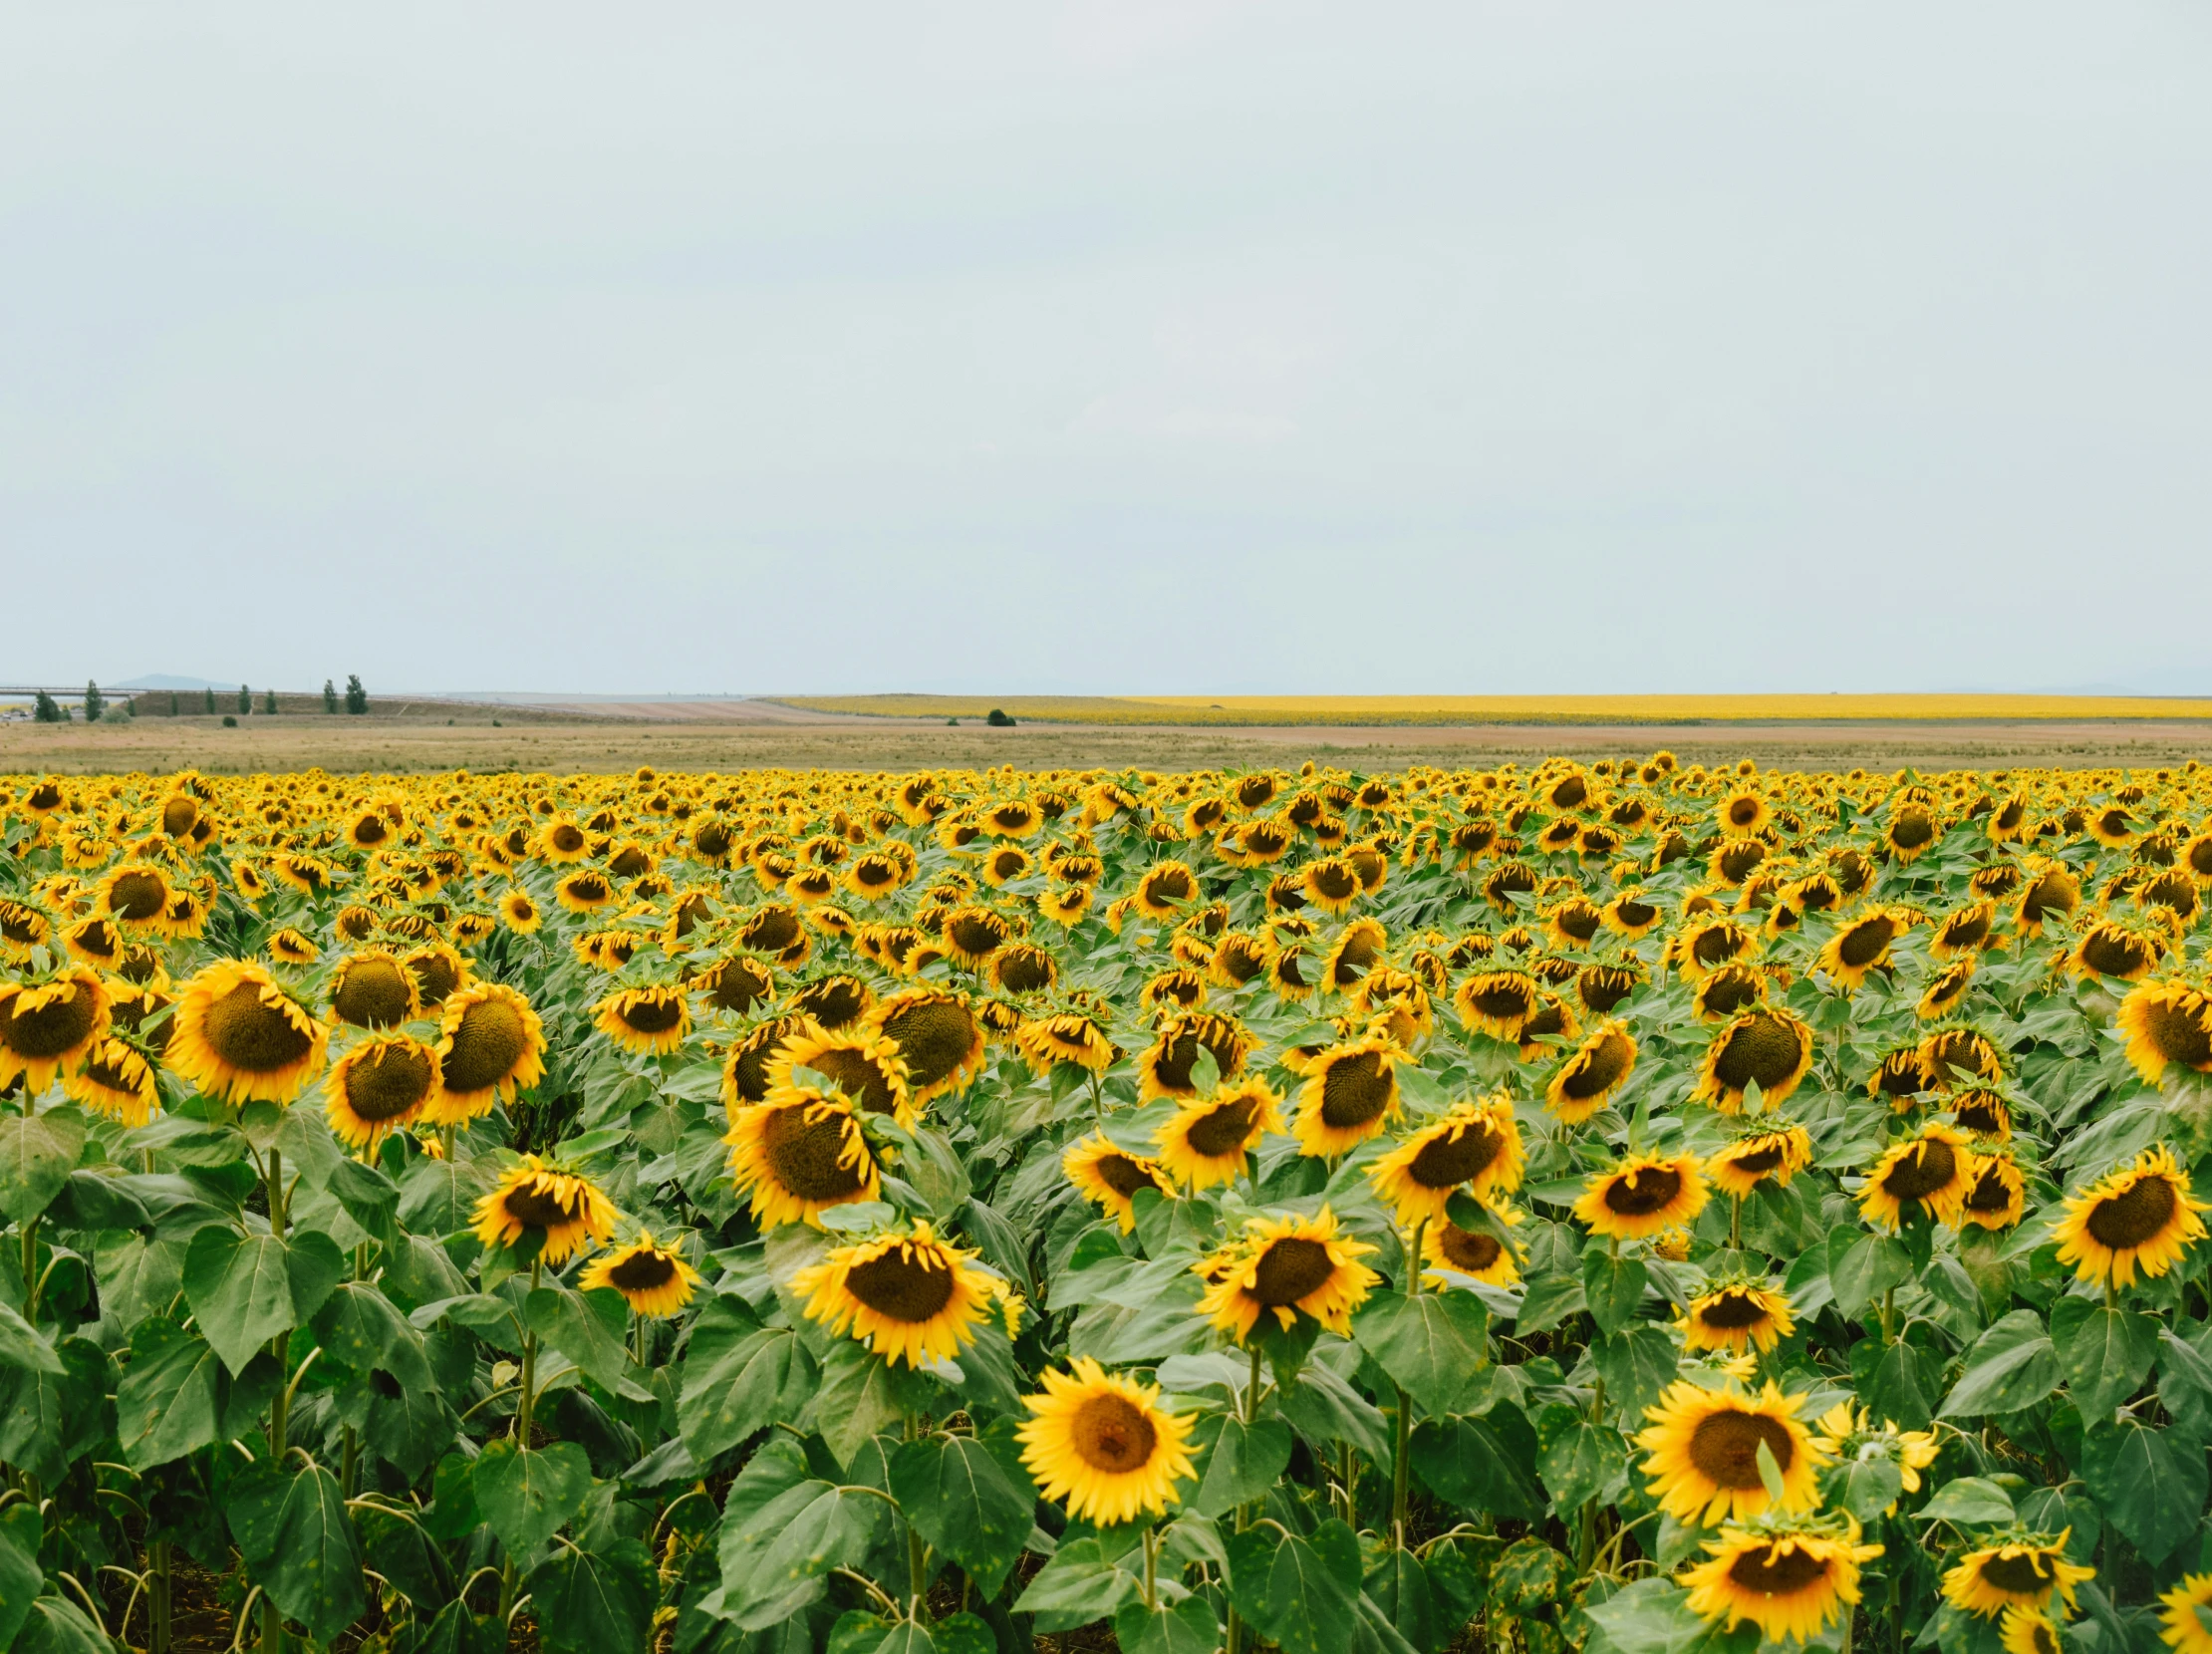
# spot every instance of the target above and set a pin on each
(1736, 1315)
(238, 1035)
(654, 1279)
(1449, 1250)
(1112, 1179)
(384, 1084)
(50, 1027)
(490, 1046)
(116, 1081)
(1209, 1139)
(1790, 1577)
(797, 1157)
(2016, 1570)
(938, 1037)
(1705, 1450)
(1351, 1094)
(1928, 1173)
(1643, 1196)
(2168, 1023)
(559, 1211)
(1765, 1046)
(907, 1296)
(1285, 1268)
(2139, 1219)
(1587, 1081)
(1167, 1068)
(1476, 1147)
(1770, 1147)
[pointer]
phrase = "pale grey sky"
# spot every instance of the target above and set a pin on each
(1141, 346)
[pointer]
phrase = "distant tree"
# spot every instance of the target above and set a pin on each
(130, 706)
(330, 695)
(48, 710)
(268, 701)
(999, 719)
(357, 698)
(209, 692)
(245, 698)
(229, 723)
(94, 702)
(173, 703)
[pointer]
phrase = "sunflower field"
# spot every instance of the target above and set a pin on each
(1622, 1208)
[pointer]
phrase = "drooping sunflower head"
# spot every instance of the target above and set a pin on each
(1350, 1093)
(1023, 968)
(116, 1080)
(1946, 988)
(1960, 1055)
(1788, 1578)
(238, 1035)
(1982, 1110)
(491, 1045)
(1996, 1192)
(796, 1158)
(1736, 1315)
(1111, 1179)
(587, 890)
(1729, 991)
(1929, 1172)
(1643, 1196)
(1587, 1081)
(384, 1084)
(290, 947)
(1476, 1146)
(1704, 1453)
(50, 1027)
(1165, 1068)
(437, 970)
(2019, 1570)
(859, 1061)
(2168, 1022)
(1498, 1002)
(654, 1279)
(938, 1035)
(2139, 1219)
(563, 1212)
(648, 1020)
(1773, 1148)
(1102, 1442)
(1285, 1268)
(1768, 1047)
(1861, 945)
(373, 990)
(907, 1295)
(2125, 952)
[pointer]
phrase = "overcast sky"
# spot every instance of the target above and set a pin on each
(1138, 346)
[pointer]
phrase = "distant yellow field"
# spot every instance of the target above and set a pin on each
(1510, 709)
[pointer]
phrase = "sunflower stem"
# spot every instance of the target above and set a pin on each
(1735, 1224)
(524, 1400)
(32, 1281)
(1401, 1470)
(1347, 1477)
(272, 1618)
(1151, 1560)
(918, 1577)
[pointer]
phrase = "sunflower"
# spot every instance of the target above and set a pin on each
(1066, 905)
(1103, 1174)
(2053, 890)
(1737, 1315)
(1704, 945)
(1498, 1002)
(490, 1046)
(289, 947)
(1768, 1047)
(116, 1080)
(1588, 1078)
(50, 1028)
(860, 1063)
(1023, 967)
(1286, 1266)
(938, 1036)
(1775, 1147)
(1476, 1147)
(1209, 1139)
(1164, 1069)
(1629, 915)
(587, 890)
(236, 1036)
(1946, 1053)
(519, 911)
(373, 990)
(1349, 1094)
(2168, 1022)
(437, 969)
(797, 1158)
(1946, 988)
(1448, 1250)
(2187, 1625)
(646, 1021)
(1704, 1447)
(384, 1084)
(1861, 945)
(1330, 884)
(1643, 1196)
(1728, 993)
(909, 1296)
(1789, 1581)
(136, 896)
(1101, 1442)
(972, 933)
(654, 1279)
(563, 1209)
(561, 841)
(1932, 1170)
(1164, 888)
(2125, 952)
(2019, 1571)
(2138, 1218)
(1065, 1037)
(1995, 1193)
(1984, 1112)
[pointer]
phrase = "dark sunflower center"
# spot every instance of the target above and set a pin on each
(1222, 1130)
(975, 934)
(857, 1076)
(833, 1001)
(2112, 953)
(1640, 1193)
(1579, 922)
(1917, 1176)
(138, 896)
(540, 1208)
(435, 976)
(773, 930)
(251, 1036)
(651, 1015)
(1985, 1115)
(2024, 1575)
(1289, 1269)
(387, 1083)
(1333, 881)
(1738, 860)
(900, 1287)
(489, 1042)
(1959, 1050)
(1717, 944)
(642, 1273)
(372, 994)
(1599, 1069)
(804, 1153)
(2180, 1032)
(567, 839)
(1990, 1193)
(934, 1038)
(1026, 970)
(1447, 1161)
(1504, 1002)
(1170, 885)
(1865, 941)
(1966, 932)
(1772, 1572)
(2050, 894)
(1757, 1160)
(1765, 1049)
(111, 1076)
(1732, 1311)
(1911, 829)
(56, 1027)
(1356, 1090)
(2131, 1219)
(1729, 991)
(1123, 1175)
(1469, 1250)
(1724, 1447)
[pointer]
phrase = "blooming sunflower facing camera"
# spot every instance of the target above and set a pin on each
(1448, 1250)
(907, 1296)
(1642, 1197)
(1350, 1093)
(384, 1084)
(1209, 1139)
(1928, 1173)
(1587, 1081)
(1285, 1268)
(1704, 1453)
(654, 1279)
(1111, 1179)
(1774, 1150)
(645, 1022)
(51, 1027)
(238, 1035)
(798, 1157)
(2139, 1219)
(1476, 1145)
(2168, 1023)
(492, 1046)
(2019, 1571)
(1102, 1443)
(1790, 1579)
(860, 1062)
(1766, 1047)
(938, 1036)
(1737, 1315)
(1861, 945)
(564, 1210)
